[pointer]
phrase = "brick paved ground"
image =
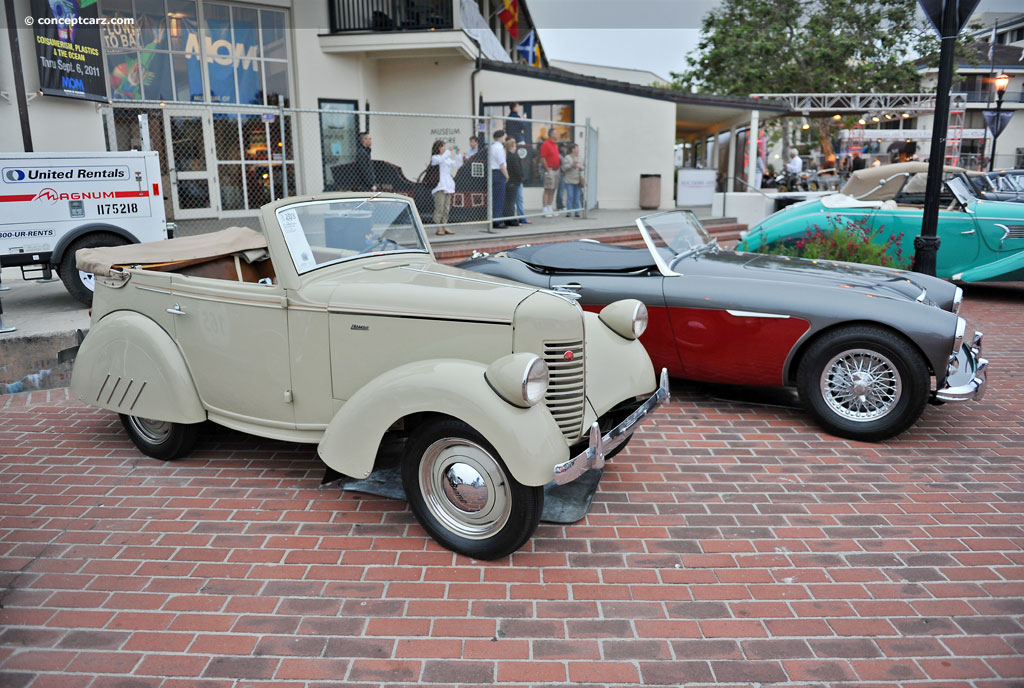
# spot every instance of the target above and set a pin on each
(731, 544)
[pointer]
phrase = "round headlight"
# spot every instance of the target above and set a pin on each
(627, 317)
(535, 381)
(639, 320)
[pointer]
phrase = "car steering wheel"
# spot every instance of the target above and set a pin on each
(382, 244)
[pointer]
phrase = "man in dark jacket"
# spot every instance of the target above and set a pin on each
(365, 180)
(515, 127)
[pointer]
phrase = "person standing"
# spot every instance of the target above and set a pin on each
(366, 179)
(474, 147)
(758, 172)
(515, 127)
(573, 177)
(447, 161)
(795, 164)
(499, 176)
(514, 186)
(551, 164)
(858, 163)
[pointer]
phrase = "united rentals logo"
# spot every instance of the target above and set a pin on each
(14, 175)
(47, 194)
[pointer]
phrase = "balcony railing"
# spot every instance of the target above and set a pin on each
(390, 15)
(990, 97)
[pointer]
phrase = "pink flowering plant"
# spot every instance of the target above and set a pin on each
(844, 240)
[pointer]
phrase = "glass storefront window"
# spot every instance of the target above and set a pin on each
(232, 193)
(225, 137)
(191, 52)
(338, 131)
(181, 23)
(156, 79)
(552, 114)
(277, 81)
(272, 24)
(151, 21)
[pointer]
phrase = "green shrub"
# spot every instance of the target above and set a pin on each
(849, 241)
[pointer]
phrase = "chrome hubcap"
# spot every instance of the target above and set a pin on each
(156, 431)
(464, 488)
(861, 385)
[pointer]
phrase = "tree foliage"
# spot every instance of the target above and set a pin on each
(808, 46)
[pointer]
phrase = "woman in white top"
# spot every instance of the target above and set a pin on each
(447, 163)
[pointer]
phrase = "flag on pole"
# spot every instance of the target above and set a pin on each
(510, 17)
(529, 48)
(992, 44)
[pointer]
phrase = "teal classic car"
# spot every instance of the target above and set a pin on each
(982, 240)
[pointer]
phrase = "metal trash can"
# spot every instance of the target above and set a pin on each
(650, 191)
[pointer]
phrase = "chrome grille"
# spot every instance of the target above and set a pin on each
(566, 390)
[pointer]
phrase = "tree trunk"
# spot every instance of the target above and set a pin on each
(785, 139)
(827, 151)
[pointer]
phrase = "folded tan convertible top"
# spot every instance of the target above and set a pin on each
(101, 261)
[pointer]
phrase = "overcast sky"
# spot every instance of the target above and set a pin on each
(656, 35)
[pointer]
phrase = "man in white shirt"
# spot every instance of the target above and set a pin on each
(795, 164)
(499, 175)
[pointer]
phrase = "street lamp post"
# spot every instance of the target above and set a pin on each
(1002, 81)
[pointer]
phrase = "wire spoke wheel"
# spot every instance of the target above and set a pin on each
(861, 385)
(465, 488)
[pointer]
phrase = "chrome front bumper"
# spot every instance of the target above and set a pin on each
(600, 446)
(967, 382)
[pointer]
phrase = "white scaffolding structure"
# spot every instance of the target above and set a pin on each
(867, 103)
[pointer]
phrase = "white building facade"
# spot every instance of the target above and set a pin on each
(251, 101)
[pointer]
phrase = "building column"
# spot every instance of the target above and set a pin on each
(730, 168)
(752, 150)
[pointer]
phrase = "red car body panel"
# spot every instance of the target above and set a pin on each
(711, 345)
(717, 346)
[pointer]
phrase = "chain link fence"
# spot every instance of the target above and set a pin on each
(221, 163)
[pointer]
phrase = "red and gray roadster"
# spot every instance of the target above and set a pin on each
(866, 347)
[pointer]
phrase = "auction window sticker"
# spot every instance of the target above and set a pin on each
(295, 238)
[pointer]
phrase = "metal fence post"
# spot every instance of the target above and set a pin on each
(145, 143)
(284, 148)
(490, 177)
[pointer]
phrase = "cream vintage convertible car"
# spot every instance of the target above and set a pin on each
(337, 327)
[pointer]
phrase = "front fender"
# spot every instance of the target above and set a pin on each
(1008, 269)
(528, 440)
(618, 369)
(129, 364)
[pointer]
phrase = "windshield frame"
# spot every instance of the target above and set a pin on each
(663, 267)
(356, 203)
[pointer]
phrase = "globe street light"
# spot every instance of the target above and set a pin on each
(1002, 81)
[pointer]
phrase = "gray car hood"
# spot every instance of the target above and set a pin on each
(812, 273)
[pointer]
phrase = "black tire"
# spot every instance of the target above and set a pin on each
(159, 439)
(69, 273)
(890, 374)
(783, 188)
(489, 523)
(812, 186)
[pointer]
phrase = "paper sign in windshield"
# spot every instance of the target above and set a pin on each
(298, 245)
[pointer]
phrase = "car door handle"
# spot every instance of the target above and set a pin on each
(969, 231)
(176, 310)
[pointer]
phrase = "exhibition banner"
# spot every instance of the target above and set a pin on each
(67, 38)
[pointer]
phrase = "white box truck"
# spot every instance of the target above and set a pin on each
(52, 204)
